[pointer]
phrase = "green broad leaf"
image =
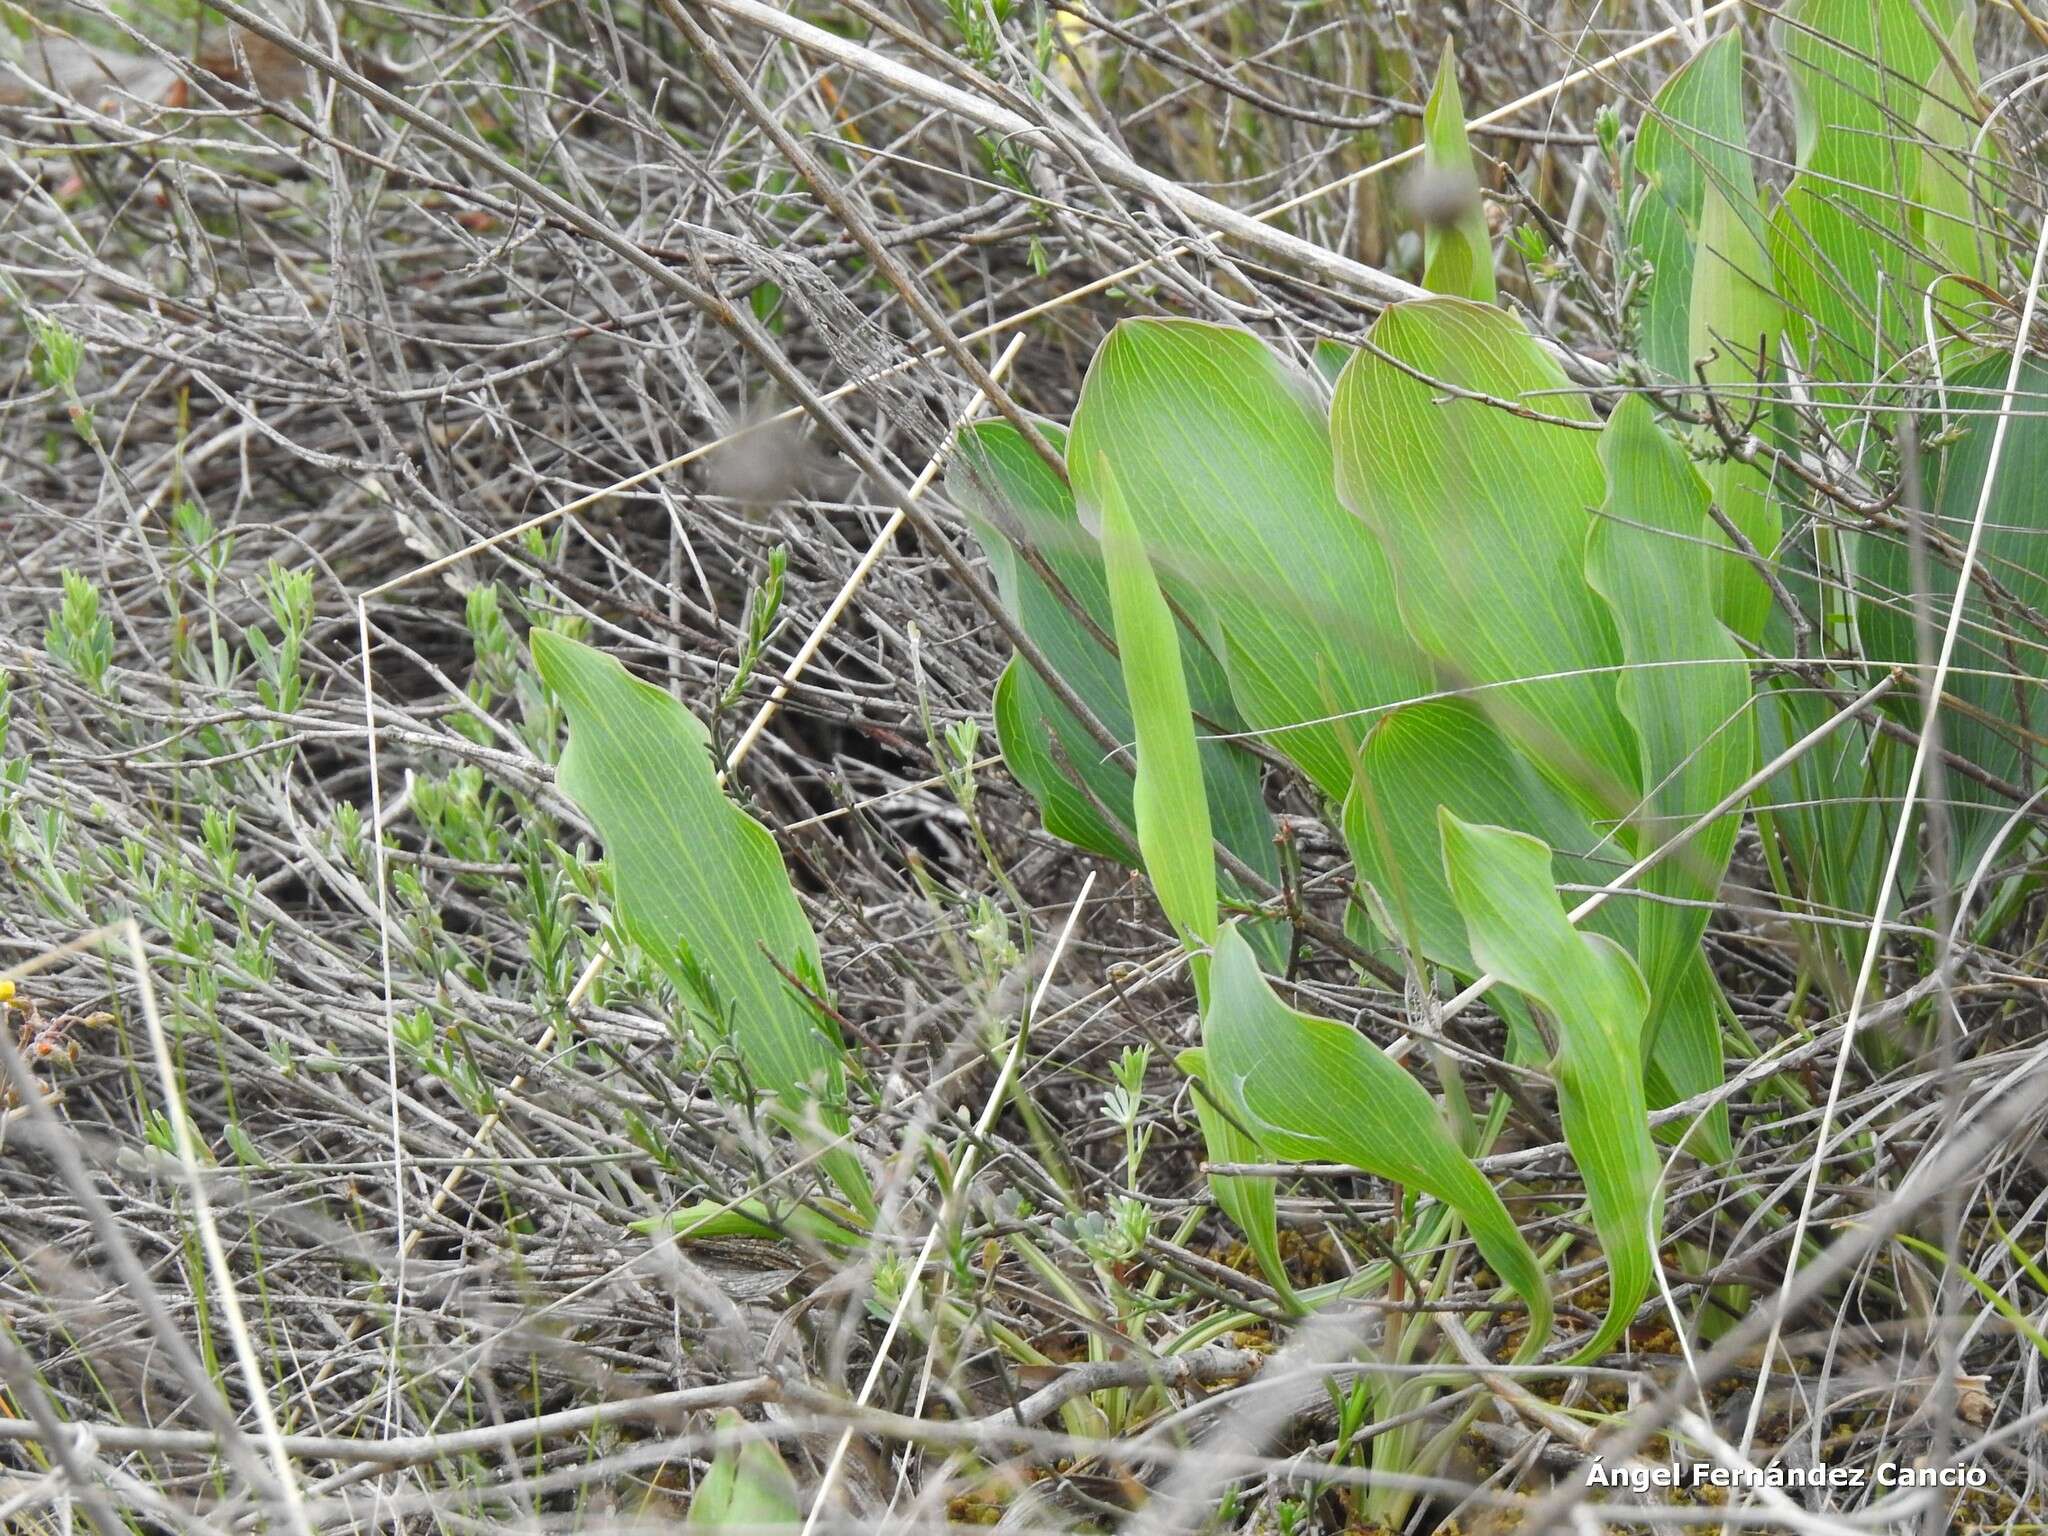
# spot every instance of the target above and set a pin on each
(1686, 690)
(1957, 195)
(702, 889)
(1013, 498)
(1171, 809)
(1998, 706)
(749, 1488)
(1071, 794)
(1483, 515)
(1014, 495)
(1444, 754)
(1595, 1000)
(1457, 254)
(1845, 239)
(1247, 1199)
(1223, 455)
(1733, 332)
(1692, 138)
(1311, 1089)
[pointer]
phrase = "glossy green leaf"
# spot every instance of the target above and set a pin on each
(1311, 1089)
(1595, 1000)
(701, 886)
(1686, 691)
(1168, 802)
(1692, 138)
(1224, 458)
(1247, 1199)
(1083, 794)
(1483, 514)
(749, 1489)
(1457, 254)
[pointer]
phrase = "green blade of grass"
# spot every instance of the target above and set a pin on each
(2002, 1305)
